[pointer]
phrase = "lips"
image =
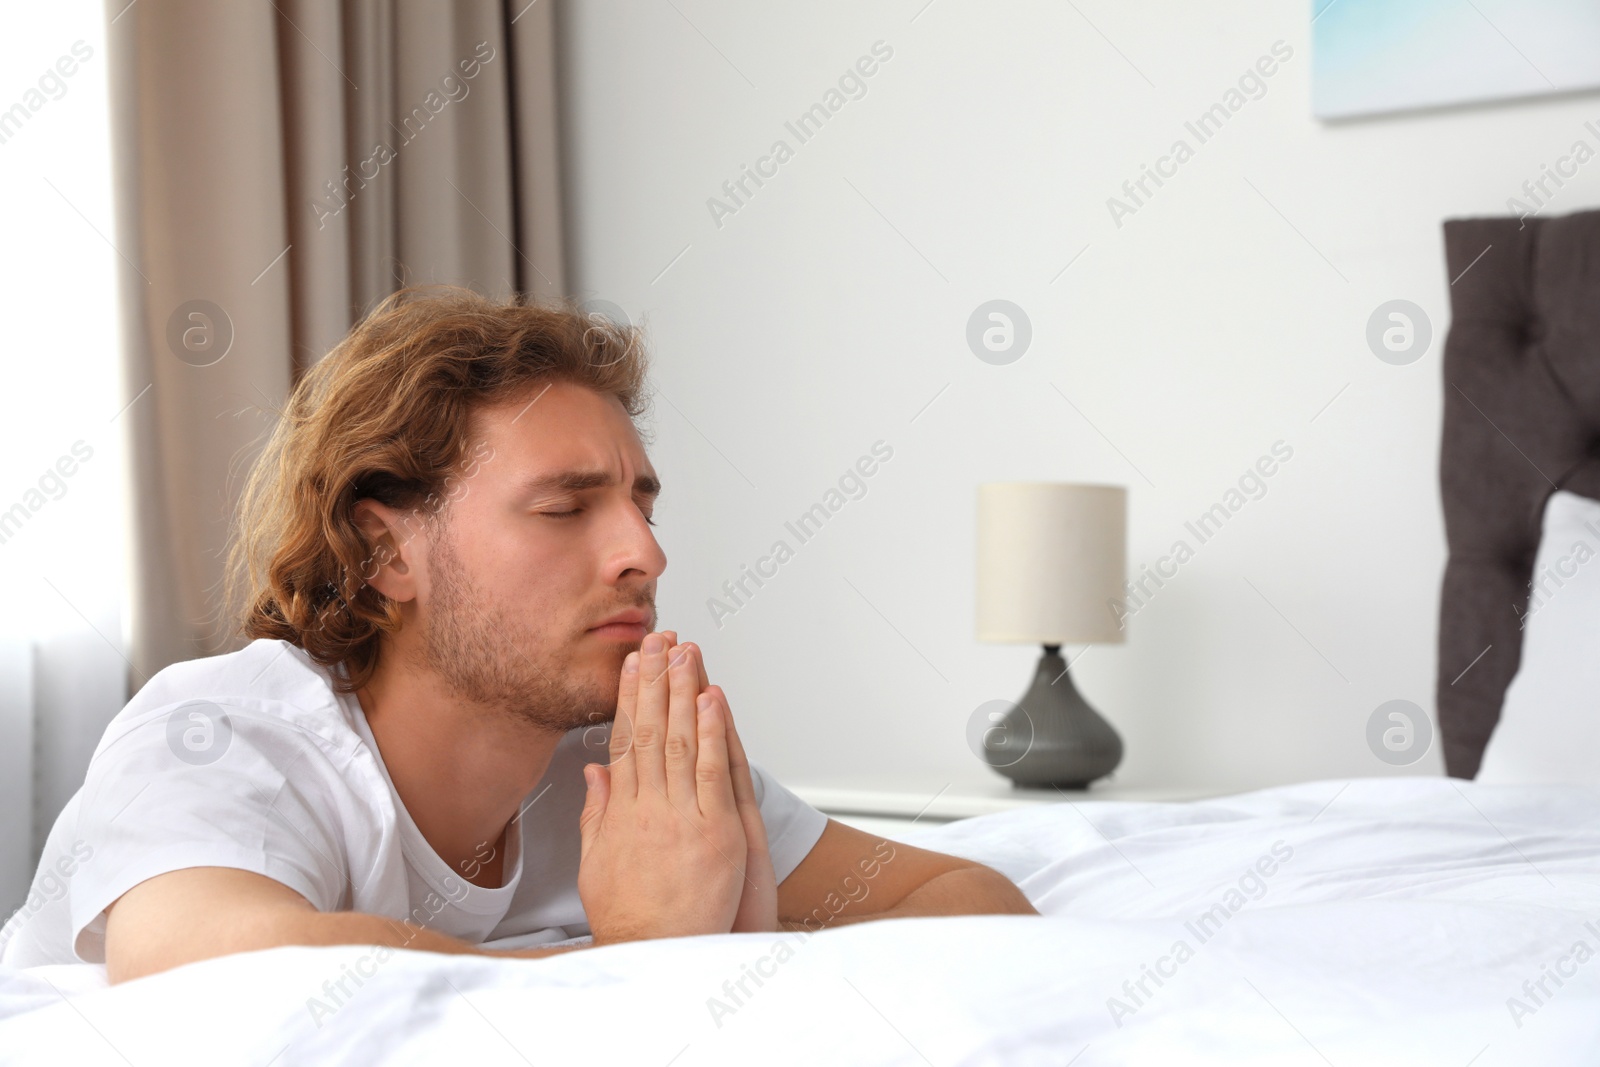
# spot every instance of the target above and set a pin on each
(631, 617)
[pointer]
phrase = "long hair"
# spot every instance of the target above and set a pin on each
(386, 415)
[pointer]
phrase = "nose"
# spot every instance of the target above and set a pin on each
(635, 553)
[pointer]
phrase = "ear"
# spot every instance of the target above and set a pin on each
(391, 568)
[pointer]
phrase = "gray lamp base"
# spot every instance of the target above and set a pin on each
(1053, 738)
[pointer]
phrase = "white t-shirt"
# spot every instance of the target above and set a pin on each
(251, 760)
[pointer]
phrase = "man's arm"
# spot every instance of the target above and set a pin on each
(846, 867)
(851, 876)
(667, 803)
(199, 913)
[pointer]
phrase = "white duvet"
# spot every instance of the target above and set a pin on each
(1376, 921)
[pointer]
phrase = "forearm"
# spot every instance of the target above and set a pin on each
(356, 928)
(966, 891)
(200, 913)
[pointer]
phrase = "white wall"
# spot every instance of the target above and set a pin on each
(1221, 317)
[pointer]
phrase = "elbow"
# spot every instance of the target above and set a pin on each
(997, 894)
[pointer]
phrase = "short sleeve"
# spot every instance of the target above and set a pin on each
(202, 784)
(793, 826)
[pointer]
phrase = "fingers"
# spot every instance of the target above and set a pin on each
(759, 900)
(744, 789)
(699, 657)
(714, 788)
(650, 717)
(681, 745)
(623, 778)
(597, 779)
(737, 762)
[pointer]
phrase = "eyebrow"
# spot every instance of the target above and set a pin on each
(576, 481)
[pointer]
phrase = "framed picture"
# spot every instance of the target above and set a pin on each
(1370, 57)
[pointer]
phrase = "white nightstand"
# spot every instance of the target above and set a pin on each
(886, 807)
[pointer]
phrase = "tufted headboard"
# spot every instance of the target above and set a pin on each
(1521, 418)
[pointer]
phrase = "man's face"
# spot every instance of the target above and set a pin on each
(512, 584)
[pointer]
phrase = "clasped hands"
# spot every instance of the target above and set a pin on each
(673, 843)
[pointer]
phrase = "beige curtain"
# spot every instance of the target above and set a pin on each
(280, 166)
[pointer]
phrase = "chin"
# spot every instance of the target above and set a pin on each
(598, 703)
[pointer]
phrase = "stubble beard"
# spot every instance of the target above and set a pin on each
(489, 659)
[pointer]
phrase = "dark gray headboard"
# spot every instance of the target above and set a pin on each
(1521, 417)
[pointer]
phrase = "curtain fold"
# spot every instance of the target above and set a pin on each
(279, 168)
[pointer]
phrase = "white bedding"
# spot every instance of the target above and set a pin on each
(1400, 928)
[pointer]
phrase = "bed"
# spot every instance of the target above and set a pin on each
(1521, 419)
(1365, 921)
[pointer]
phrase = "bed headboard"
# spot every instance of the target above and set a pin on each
(1521, 418)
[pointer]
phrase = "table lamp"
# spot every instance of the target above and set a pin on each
(1052, 559)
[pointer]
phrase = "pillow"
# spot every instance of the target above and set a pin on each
(1549, 729)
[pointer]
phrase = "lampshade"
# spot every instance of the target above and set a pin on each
(1052, 559)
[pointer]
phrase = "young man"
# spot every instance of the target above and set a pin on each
(445, 562)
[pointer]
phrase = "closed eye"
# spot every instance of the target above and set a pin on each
(575, 511)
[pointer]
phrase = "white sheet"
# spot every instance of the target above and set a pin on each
(1407, 916)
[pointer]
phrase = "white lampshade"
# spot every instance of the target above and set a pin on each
(1052, 559)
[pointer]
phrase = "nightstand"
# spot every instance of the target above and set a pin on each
(886, 807)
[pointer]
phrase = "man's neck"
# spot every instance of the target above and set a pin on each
(461, 770)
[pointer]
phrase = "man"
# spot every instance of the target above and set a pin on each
(445, 562)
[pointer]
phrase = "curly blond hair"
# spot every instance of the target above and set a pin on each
(386, 415)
